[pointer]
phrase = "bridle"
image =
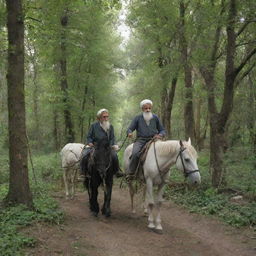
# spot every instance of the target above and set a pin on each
(185, 171)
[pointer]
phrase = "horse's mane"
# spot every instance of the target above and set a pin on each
(172, 146)
(166, 147)
(191, 149)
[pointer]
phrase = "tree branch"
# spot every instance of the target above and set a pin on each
(244, 61)
(240, 31)
(31, 18)
(245, 73)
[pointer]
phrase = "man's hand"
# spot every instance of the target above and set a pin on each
(130, 135)
(158, 136)
(90, 144)
(115, 147)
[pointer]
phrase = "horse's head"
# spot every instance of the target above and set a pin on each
(186, 161)
(102, 156)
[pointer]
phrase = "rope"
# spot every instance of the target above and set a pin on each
(122, 144)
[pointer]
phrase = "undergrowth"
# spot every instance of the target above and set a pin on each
(210, 202)
(13, 219)
(241, 180)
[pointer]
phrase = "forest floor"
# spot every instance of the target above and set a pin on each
(126, 234)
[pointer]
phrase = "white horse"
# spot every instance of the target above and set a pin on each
(70, 162)
(160, 157)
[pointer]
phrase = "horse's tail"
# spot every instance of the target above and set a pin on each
(87, 181)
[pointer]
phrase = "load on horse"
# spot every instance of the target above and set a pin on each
(70, 162)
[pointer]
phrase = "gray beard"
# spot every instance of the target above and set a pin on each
(147, 117)
(105, 125)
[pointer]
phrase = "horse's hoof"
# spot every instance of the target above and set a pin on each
(105, 212)
(95, 214)
(145, 213)
(151, 226)
(158, 231)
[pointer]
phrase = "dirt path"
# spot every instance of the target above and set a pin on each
(126, 234)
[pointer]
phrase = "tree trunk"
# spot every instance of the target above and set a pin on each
(188, 109)
(168, 97)
(55, 131)
(200, 132)
(19, 190)
(81, 119)
(69, 132)
(251, 123)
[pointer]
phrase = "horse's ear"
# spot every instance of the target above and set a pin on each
(189, 141)
(181, 144)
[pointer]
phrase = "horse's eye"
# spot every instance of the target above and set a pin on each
(187, 159)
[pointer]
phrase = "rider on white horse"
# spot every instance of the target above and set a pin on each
(148, 126)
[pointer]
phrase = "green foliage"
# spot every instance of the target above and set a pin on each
(209, 202)
(47, 167)
(4, 168)
(240, 170)
(11, 242)
(12, 219)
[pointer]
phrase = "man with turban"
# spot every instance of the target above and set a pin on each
(147, 126)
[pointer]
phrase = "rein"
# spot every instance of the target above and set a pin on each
(185, 171)
(122, 144)
(156, 158)
(157, 164)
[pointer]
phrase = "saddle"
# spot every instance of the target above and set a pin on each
(143, 155)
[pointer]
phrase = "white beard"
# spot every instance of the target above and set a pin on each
(105, 125)
(147, 117)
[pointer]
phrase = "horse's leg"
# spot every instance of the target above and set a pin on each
(65, 179)
(145, 201)
(150, 202)
(159, 228)
(158, 207)
(106, 210)
(132, 190)
(73, 183)
(94, 206)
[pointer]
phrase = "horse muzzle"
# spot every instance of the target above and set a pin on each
(194, 177)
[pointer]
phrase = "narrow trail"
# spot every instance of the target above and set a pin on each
(126, 234)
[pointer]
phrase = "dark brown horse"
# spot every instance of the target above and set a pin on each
(100, 172)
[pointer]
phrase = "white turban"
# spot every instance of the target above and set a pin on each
(101, 111)
(146, 101)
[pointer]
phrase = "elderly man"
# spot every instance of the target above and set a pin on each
(101, 129)
(148, 126)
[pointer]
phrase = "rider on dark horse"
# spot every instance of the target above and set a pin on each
(148, 126)
(100, 130)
